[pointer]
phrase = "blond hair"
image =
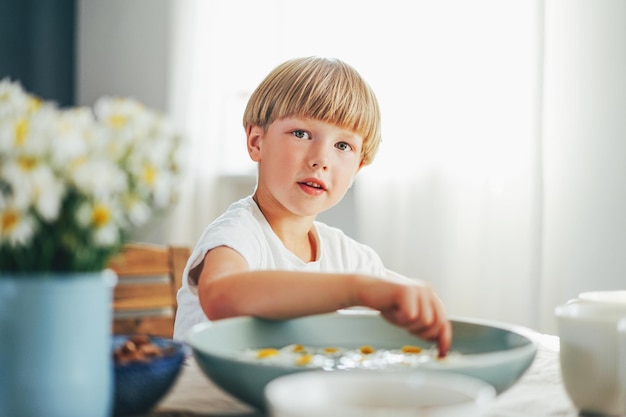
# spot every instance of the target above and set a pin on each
(322, 89)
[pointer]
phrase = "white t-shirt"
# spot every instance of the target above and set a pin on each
(243, 228)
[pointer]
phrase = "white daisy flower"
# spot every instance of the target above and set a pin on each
(14, 100)
(98, 177)
(48, 193)
(17, 227)
(138, 211)
(73, 136)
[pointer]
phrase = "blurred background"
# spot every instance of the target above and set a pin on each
(500, 178)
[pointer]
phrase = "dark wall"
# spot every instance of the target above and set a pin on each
(38, 47)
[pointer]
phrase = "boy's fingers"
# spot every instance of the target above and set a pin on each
(424, 316)
(440, 330)
(445, 340)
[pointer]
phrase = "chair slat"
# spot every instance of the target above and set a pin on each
(178, 256)
(143, 296)
(142, 260)
(144, 299)
(154, 326)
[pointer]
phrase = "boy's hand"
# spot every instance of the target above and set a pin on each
(412, 306)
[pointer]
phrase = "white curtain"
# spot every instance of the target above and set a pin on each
(465, 191)
(455, 196)
(584, 148)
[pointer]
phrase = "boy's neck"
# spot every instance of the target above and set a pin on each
(296, 233)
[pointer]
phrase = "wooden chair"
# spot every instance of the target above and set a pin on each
(144, 299)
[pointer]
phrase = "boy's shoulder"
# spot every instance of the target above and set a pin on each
(246, 203)
(244, 207)
(239, 215)
(236, 226)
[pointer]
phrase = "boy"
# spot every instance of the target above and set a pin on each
(311, 125)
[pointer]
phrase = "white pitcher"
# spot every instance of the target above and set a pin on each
(592, 330)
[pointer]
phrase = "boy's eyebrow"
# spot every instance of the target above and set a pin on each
(350, 135)
(295, 122)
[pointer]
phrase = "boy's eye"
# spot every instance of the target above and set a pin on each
(301, 134)
(343, 146)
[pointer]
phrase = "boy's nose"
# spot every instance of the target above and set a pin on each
(319, 160)
(320, 164)
(319, 157)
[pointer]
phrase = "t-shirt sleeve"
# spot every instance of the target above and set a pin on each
(238, 233)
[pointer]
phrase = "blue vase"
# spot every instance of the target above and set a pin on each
(55, 344)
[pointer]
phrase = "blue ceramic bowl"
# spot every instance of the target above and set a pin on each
(496, 353)
(140, 385)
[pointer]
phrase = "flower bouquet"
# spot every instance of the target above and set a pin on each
(74, 182)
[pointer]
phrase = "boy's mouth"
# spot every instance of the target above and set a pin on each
(313, 184)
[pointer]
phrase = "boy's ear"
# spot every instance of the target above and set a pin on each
(254, 135)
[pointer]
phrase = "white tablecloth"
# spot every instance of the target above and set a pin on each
(539, 393)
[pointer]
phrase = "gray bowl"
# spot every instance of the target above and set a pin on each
(496, 353)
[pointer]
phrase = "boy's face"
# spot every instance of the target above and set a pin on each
(306, 166)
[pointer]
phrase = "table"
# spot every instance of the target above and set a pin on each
(539, 393)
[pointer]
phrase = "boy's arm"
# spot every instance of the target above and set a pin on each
(227, 288)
